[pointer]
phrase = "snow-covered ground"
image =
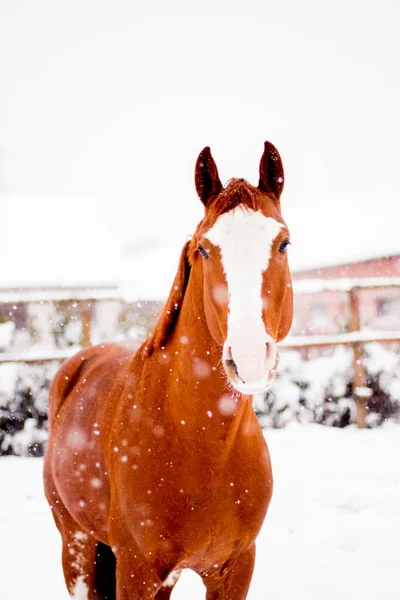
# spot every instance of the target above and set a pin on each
(332, 532)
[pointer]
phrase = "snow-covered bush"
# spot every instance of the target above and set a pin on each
(320, 390)
(317, 390)
(23, 407)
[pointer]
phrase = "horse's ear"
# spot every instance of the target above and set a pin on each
(208, 184)
(271, 171)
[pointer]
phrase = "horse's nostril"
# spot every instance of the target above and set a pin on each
(231, 363)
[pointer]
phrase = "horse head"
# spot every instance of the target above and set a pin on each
(241, 247)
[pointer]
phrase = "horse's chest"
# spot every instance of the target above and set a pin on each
(197, 503)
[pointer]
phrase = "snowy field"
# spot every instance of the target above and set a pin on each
(332, 533)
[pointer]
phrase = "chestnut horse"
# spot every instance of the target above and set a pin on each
(155, 461)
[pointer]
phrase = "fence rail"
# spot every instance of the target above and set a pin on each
(339, 339)
(86, 301)
(345, 284)
(38, 357)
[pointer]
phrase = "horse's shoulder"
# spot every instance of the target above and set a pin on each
(78, 366)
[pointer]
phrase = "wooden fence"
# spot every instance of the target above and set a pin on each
(356, 338)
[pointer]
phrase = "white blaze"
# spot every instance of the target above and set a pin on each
(245, 238)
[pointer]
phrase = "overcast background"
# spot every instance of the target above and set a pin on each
(104, 107)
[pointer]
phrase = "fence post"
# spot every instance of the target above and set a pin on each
(359, 383)
(85, 312)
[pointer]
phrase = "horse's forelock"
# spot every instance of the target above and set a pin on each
(237, 192)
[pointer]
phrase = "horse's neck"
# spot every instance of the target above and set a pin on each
(196, 386)
(192, 342)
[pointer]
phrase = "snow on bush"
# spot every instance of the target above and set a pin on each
(23, 407)
(321, 390)
(317, 390)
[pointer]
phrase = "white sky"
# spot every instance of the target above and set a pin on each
(104, 107)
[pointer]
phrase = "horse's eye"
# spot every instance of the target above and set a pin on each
(283, 246)
(203, 252)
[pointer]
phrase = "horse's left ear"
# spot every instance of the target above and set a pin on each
(206, 178)
(271, 171)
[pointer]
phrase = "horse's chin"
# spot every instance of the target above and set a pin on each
(249, 387)
(256, 387)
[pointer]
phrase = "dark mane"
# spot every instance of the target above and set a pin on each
(170, 312)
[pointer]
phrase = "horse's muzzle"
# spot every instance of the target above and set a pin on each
(251, 374)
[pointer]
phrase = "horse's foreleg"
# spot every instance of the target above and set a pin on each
(139, 579)
(88, 571)
(87, 575)
(234, 581)
(80, 554)
(136, 579)
(79, 564)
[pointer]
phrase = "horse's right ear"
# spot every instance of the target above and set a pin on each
(208, 184)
